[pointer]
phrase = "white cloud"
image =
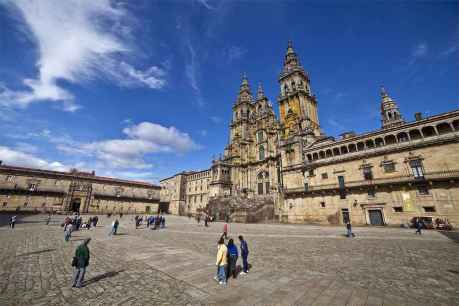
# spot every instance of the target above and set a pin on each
(142, 139)
(166, 139)
(78, 40)
(17, 158)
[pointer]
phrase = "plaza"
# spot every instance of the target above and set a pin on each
(290, 265)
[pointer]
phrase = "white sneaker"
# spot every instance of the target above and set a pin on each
(216, 279)
(222, 283)
(243, 273)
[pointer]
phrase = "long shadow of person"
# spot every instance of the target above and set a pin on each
(102, 276)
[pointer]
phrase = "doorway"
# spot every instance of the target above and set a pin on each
(376, 217)
(75, 205)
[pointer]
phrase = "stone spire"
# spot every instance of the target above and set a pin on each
(260, 92)
(245, 95)
(291, 60)
(244, 84)
(390, 113)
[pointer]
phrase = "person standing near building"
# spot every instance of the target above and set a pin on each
(225, 230)
(349, 229)
(419, 226)
(68, 232)
(232, 259)
(222, 261)
(48, 219)
(244, 255)
(80, 262)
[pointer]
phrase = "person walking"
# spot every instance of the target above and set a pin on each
(80, 262)
(68, 232)
(95, 220)
(349, 230)
(244, 255)
(163, 222)
(198, 217)
(48, 219)
(232, 259)
(116, 223)
(206, 220)
(419, 226)
(13, 221)
(222, 261)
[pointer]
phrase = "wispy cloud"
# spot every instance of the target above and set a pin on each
(77, 41)
(419, 51)
(191, 72)
(234, 53)
(447, 52)
(206, 4)
(215, 119)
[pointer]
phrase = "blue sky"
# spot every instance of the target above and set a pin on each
(144, 89)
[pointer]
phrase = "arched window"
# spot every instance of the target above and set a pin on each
(260, 136)
(261, 153)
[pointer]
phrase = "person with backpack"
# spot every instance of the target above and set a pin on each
(80, 262)
(232, 259)
(244, 255)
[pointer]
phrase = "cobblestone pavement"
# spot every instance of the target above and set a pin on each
(291, 265)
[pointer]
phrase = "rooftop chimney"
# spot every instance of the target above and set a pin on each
(418, 116)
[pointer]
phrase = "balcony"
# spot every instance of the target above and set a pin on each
(428, 176)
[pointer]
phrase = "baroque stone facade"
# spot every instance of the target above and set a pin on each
(387, 176)
(26, 189)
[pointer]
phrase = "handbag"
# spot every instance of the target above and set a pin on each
(74, 262)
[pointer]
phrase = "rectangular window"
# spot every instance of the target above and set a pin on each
(324, 176)
(311, 172)
(260, 188)
(32, 187)
(423, 190)
(322, 204)
(398, 209)
(389, 167)
(342, 187)
(267, 187)
(5, 204)
(429, 209)
(416, 168)
(367, 174)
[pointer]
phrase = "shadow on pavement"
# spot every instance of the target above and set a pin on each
(36, 252)
(102, 276)
(453, 235)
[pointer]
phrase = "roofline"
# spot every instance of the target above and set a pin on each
(77, 175)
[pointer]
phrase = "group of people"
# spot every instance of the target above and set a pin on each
(152, 222)
(74, 223)
(205, 216)
(227, 256)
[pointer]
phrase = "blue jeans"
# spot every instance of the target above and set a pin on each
(222, 273)
(245, 264)
(78, 276)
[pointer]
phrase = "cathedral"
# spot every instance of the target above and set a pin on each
(287, 169)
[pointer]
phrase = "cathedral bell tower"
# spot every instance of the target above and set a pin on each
(390, 113)
(298, 106)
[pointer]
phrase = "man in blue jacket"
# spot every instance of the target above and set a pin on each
(244, 254)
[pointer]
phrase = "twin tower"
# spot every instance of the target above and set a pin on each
(297, 104)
